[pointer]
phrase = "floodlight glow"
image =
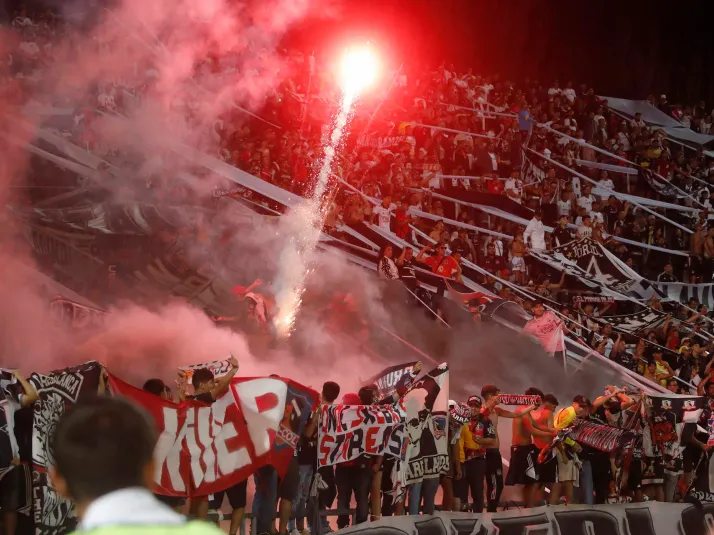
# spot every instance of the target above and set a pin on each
(358, 69)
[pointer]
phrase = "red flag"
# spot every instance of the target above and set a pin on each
(203, 449)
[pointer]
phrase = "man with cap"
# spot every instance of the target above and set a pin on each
(476, 436)
(494, 462)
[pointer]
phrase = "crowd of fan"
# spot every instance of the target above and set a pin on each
(575, 473)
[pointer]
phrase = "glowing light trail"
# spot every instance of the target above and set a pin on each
(358, 70)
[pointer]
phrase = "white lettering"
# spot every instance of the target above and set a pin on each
(262, 402)
(228, 461)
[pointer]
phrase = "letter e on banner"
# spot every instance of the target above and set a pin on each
(229, 459)
(263, 404)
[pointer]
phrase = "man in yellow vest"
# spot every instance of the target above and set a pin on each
(103, 449)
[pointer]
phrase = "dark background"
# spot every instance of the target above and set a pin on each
(629, 48)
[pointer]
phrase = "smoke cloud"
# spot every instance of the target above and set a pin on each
(194, 67)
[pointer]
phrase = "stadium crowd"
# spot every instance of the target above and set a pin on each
(434, 127)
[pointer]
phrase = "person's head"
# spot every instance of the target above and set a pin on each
(672, 385)
(533, 391)
(657, 355)
(550, 402)
(330, 391)
(489, 391)
(607, 329)
(474, 403)
(563, 221)
(203, 380)
(156, 387)
(491, 249)
(409, 253)
(368, 395)
(651, 366)
(537, 214)
(386, 201)
(440, 249)
(588, 221)
(101, 445)
(538, 310)
(582, 406)
(387, 251)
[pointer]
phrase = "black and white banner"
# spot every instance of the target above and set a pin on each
(662, 187)
(682, 293)
(389, 378)
(425, 408)
(217, 367)
(649, 518)
(666, 416)
(532, 174)
(634, 323)
(58, 391)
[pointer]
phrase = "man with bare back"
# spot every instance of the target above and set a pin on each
(494, 463)
(548, 471)
(524, 453)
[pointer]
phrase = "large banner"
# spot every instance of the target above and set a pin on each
(425, 407)
(682, 293)
(203, 449)
(649, 518)
(58, 391)
(348, 431)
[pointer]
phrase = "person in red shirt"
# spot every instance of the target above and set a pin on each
(402, 221)
(440, 263)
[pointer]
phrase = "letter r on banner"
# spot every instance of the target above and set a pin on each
(262, 402)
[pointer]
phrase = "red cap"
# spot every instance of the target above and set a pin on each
(239, 290)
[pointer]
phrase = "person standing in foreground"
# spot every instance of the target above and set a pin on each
(494, 462)
(103, 449)
(548, 329)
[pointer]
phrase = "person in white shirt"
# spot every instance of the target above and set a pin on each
(383, 212)
(569, 92)
(555, 90)
(587, 199)
(586, 229)
(638, 122)
(535, 232)
(596, 215)
(605, 181)
(514, 187)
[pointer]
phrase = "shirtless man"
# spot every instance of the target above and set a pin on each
(494, 463)
(696, 250)
(548, 471)
(518, 264)
(524, 452)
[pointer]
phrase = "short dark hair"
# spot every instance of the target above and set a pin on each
(489, 390)
(550, 398)
(330, 391)
(154, 386)
(201, 376)
(582, 401)
(366, 394)
(101, 445)
(533, 391)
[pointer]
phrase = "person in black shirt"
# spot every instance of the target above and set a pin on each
(668, 274)
(562, 234)
(612, 212)
(207, 389)
(405, 265)
(306, 454)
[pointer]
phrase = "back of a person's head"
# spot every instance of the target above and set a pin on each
(200, 376)
(330, 391)
(101, 445)
(154, 386)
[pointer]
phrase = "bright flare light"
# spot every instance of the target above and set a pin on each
(358, 70)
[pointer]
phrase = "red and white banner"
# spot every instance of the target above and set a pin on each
(203, 449)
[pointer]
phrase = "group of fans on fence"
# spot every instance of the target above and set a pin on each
(96, 448)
